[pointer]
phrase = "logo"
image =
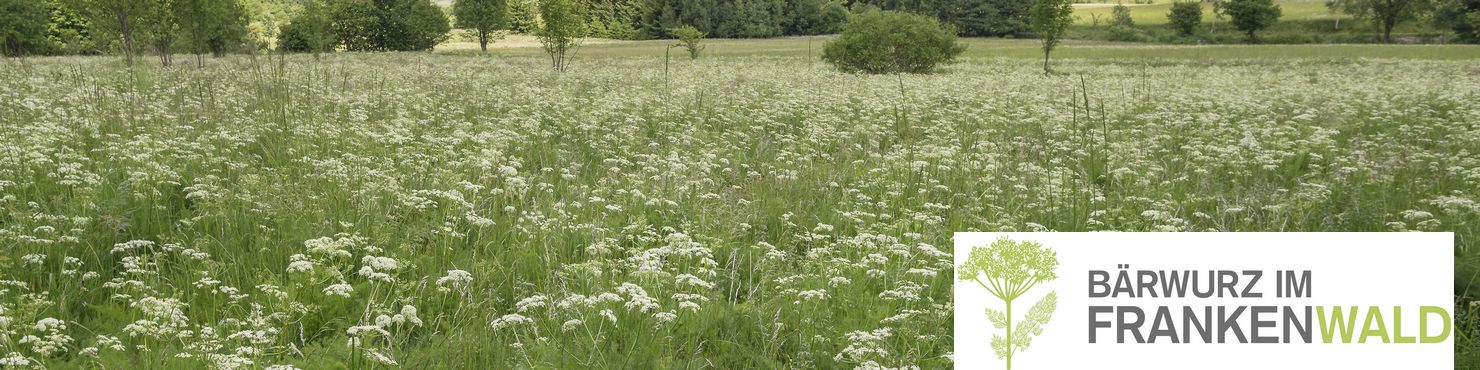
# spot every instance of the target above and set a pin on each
(1007, 269)
(1204, 300)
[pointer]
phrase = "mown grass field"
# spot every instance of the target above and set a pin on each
(750, 209)
(1301, 22)
(1156, 13)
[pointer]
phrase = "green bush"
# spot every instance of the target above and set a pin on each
(1120, 15)
(1127, 34)
(881, 42)
(1185, 16)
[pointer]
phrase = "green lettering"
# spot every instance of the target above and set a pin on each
(1374, 315)
(1398, 327)
(1423, 324)
(1336, 326)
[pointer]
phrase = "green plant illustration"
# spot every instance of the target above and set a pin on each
(1007, 269)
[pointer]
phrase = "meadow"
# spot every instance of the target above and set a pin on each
(1300, 22)
(742, 210)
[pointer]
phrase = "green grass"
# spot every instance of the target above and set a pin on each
(1156, 13)
(750, 209)
(1301, 22)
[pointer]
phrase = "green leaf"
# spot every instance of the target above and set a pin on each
(1033, 323)
(998, 319)
(999, 345)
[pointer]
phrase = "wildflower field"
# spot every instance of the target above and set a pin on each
(453, 211)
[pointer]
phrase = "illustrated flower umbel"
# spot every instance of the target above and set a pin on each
(1007, 269)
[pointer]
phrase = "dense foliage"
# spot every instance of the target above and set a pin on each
(1463, 16)
(1385, 14)
(1185, 16)
(971, 18)
(884, 41)
(309, 31)
(482, 17)
(744, 18)
(690, 38)
(23, 27)
(1251, 16)
(388, 25)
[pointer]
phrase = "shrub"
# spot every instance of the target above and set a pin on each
(1127, 34)
(1120, 15)
(1185, 16)
(1252, 15)
(880, 42)
(689, 37)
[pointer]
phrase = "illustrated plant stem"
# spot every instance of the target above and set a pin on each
(1009, 334)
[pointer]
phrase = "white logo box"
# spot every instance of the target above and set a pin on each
(1408, 270)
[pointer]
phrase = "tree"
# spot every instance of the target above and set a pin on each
(613, 19)
(1185, 16)
(118, 18)
(388, 25)
(161, 27)
(891, 42)
(814, 17)
(68, 31)
(213, 26)
(1386, 14)
(1007, 269)
(524, 16)
(564, 26)
(228, 29)
(23, 27)
(1252, 15)
(482, 16)
(970, 17)
(1050, 19)
(1463, 16)
(308, 32)
(689, 37)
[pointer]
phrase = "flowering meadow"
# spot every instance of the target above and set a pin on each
(445, 211)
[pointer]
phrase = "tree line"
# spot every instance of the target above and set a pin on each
(167, 27)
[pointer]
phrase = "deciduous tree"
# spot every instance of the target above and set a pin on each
(1252, 15)
(23, 26)
(1185, 16)
(1385, 14)
(482, 17)
(1050, 19)
(564, 26)
(116, 20)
